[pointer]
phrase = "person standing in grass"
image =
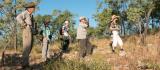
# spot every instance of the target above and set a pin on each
(82, 37)
(46, 34)
(65, 36)
(116, 40)
(26, 22)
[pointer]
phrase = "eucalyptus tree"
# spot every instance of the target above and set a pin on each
(9, 10)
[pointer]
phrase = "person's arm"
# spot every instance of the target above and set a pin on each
(63, 30)
(49, 34)
(28, 19)
(20, 19)
(84, 25)
(114, 29)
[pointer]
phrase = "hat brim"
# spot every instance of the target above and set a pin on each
(30, 5)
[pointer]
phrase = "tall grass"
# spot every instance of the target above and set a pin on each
(76, 65)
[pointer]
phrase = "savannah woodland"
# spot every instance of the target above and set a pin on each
(139, 22)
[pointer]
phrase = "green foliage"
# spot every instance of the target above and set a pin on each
(56, 12)
(150, 64)
(91, 31)
(57, 19)
(76, 65)
(138, 12)
(8, 22)
(66, 15)
(103, 18)
(134, 14)
(60, 18)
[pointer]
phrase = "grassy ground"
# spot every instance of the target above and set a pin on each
(137, 57)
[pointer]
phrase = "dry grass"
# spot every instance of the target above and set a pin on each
(137, 57)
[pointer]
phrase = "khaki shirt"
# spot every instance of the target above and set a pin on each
(24, 18)
(82, 31)
(114, 28)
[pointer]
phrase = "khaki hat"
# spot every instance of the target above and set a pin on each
(66, 21)
(30, 5)
(47, 19)
(114, 16)
(82, 17)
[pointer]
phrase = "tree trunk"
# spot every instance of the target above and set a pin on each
(141, 32)
(15, 27)
(15, 37)
(147, 20)
(123, 27)
(147, 25)
(159, 23)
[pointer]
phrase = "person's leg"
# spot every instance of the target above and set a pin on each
(122, 52)
(44, 49)
(67, 44)
(88, 47)
(27, 46)
(81, 48)
(114, 43)
(85, 47)
(120, 43)
(64, 44)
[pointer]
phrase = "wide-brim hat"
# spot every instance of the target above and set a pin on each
(82, 17)
(47, 19)
(30, 5)
(113, 16)
(66, 21)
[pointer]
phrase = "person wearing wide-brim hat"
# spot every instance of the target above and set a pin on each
(116, 40)
(30, 5)
(25, 19)
(82, 36)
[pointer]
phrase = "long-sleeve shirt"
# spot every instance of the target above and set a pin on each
(114, 29)
(81, 31)
(46, 31)
(24, 18)
(65, 30)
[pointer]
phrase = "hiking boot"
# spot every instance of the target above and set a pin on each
(122, 53)
(122, 49)
(25, 66)
(113, 51)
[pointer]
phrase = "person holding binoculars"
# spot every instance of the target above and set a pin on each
(116, 40)
(82, 37)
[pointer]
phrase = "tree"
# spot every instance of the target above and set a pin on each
(9, 10)
(140, 12)
(103, 20)
(59, 19)
(105, 9)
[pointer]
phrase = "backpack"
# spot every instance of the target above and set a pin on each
(60, 31)
(41, 34)
(34, 26)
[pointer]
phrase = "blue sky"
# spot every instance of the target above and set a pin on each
(79, 7)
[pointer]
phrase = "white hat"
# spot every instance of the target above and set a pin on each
(66, 21)
(113, 16)
(82, 17)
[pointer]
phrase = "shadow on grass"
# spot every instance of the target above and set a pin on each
(10, 61)
(13, 62)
